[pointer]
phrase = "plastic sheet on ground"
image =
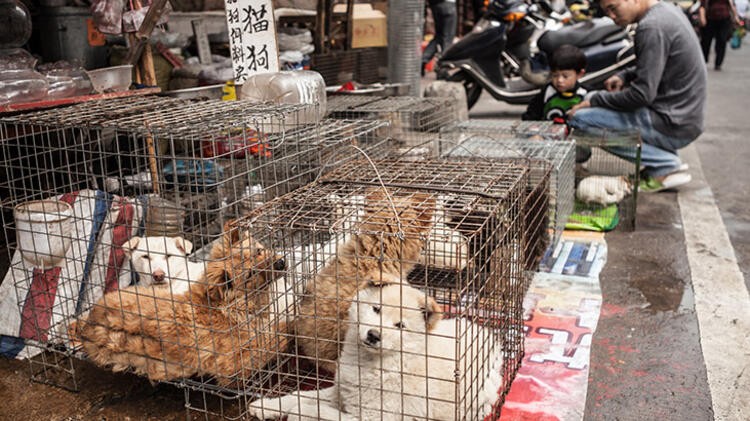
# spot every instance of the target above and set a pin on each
(561, 313)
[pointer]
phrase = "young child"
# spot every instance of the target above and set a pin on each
(567, 65)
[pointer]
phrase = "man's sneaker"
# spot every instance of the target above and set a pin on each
(683, 167)
(652, 185)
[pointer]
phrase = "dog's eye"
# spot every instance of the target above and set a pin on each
(146, 256)
(400, 325)
(376, 309)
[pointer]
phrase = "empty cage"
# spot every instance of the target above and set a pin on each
(415, 122)
(560, 154)
(547, 130)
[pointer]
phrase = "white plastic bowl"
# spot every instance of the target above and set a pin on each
(43, 230)
(111, 79)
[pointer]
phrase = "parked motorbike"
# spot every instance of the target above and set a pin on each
(506, 52)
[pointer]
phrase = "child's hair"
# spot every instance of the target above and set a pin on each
(567, 57)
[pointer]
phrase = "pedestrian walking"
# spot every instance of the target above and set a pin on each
(446, 19)
(717, 18)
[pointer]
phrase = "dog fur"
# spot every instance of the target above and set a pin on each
(162, 261)
(398, 362)
(220, 327)
(378, 251)
(604, 190)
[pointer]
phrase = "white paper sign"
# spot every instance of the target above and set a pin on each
(252, 37)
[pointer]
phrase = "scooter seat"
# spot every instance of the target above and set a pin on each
(581, 34)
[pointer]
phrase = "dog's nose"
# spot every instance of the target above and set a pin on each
(279, 264)
(158, 276)
(373, 337)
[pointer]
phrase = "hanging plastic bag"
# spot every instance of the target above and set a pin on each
(736, 41)
(107, 15)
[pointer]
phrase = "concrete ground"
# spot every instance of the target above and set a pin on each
(672, 341)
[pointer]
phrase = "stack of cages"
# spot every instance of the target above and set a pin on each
(409, 279)
(607, 177)
(415, 122)
(547, 130)
(486, 140)
(119, 208)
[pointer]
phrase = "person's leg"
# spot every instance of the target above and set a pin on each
(431, 48)
(723, 33)
(597, 121)
(450, 22)
(706, 41)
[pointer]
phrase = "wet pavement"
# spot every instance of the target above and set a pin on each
(647, 361)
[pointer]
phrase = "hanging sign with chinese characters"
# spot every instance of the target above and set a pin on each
(252, 38)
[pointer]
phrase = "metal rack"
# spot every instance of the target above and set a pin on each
(105, 172)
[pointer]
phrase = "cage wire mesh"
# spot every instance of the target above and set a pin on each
(560, 154)
(81, 183)
(453, 230)
(606, 184)
(547, 130)
(415, 122)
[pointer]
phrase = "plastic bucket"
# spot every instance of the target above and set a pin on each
(43, 231)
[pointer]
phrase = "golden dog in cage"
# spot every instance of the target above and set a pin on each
(220, 328)
(388, 246)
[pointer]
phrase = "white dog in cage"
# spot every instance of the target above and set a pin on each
(401, 361)
(163, 261)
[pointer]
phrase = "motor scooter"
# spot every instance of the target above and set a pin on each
(506, 52)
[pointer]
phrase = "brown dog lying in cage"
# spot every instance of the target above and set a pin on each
(221, 327)
(388, 245)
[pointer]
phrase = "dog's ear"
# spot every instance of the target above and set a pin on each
(425, 206)
(130, 245)
(382, 279)
(183, 245)
(213, 284)
(230, 236)
(431, 312)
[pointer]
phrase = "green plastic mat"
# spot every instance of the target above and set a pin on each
(590, 217)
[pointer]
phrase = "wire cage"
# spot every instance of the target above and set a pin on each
(452, 230)
(82, 186)
(561, 156)
(606, 184)
(415, 122)
(547, 130)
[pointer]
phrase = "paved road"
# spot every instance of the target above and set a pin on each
(661, 351)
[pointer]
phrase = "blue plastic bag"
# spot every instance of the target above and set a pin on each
(736, 41)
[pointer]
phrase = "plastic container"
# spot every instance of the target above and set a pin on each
(111, 79)
(18, 86)
(289, 87)
(16, 28)
(43, 231)
(164, 218)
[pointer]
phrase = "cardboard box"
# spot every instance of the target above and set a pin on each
(370, 27)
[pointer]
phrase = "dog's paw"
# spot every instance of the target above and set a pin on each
(265, 409)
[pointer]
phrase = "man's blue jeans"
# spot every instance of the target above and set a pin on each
(657, 161)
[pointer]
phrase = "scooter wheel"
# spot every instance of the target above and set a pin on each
(472, 87)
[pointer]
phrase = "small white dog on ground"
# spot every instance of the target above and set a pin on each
(604, 190)
(163, 261)
(400, 362)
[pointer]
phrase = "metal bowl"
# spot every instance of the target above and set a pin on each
(111, 79)
(206, 92)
